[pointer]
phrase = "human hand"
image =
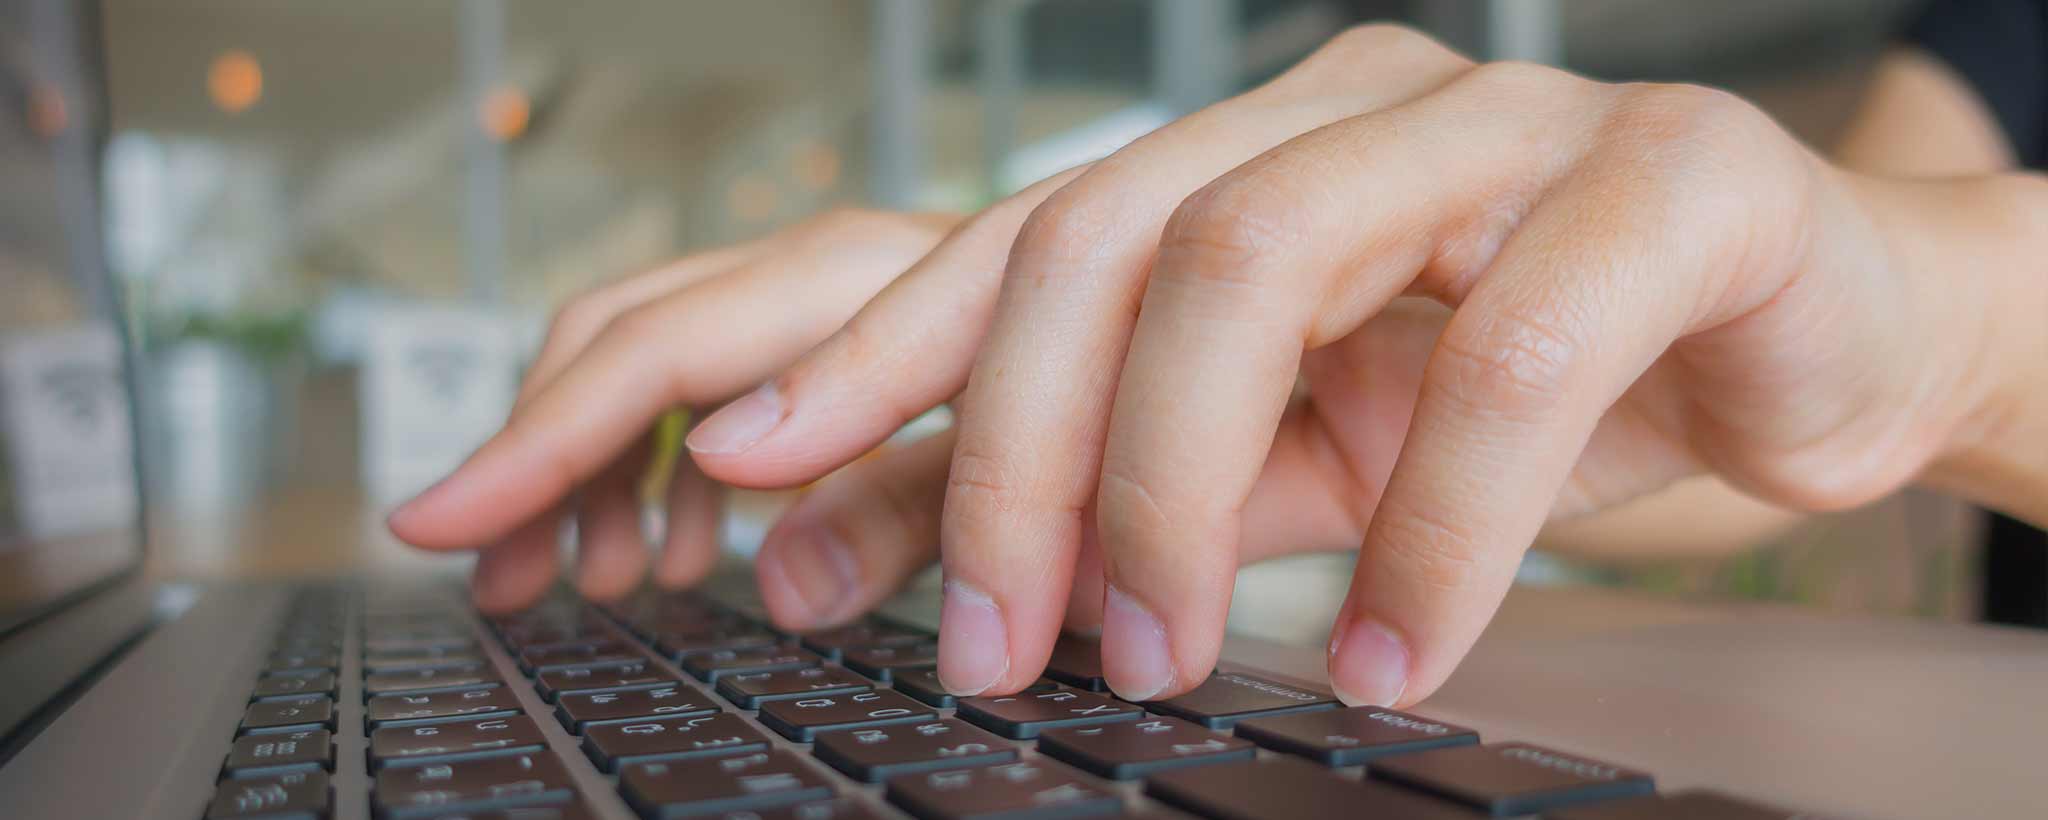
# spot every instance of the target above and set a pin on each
(1637, 283)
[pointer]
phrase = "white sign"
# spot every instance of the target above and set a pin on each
(69, 440)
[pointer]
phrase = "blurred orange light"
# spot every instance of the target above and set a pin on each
(752, 198)
(817, 166)
(47, 113)
(234, 81)
(504, 113)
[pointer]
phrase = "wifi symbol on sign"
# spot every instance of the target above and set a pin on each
(78, 393)
(444, 369)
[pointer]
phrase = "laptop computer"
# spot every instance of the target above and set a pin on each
(122, 696)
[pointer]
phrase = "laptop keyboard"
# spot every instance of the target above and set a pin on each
(681, 706)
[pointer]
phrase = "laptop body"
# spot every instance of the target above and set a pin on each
(124, 695)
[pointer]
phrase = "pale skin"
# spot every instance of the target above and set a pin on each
(1393, 301)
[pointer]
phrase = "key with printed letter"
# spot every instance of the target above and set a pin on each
(288, 714)
(1348, 737)
(1508, 779)
(830, 643)
(691, 788)
(277, 753)
(276, 686)
(799, 719)
(554, 682)
(1289, 788)
(710, 666)
(924, 685)
(437, 705)
(883, 662)
(582, 654)
(487, 783)
(878, 754)
(428, 680)
(577, 710)
(1130, 750)
(1024, 789)
(679, 645)
(1025, 714)
(302, 794)
(612, 745)
(751, 689)
(395, 745)
(1228, 697)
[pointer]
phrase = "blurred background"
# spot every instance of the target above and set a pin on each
(338, 228)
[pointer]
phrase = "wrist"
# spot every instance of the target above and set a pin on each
(1997, 452)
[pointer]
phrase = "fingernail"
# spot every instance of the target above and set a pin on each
(1135, 659)
(738, 425)
(1368, 664)
(974, 646)
(820, 573)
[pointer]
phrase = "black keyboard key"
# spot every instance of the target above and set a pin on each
(831, 643)
(408, 661)
(554, 682)
(1508, 779)
(709, 666)
(499, 735)
(835, 809)
(579, 654)
(751, 689)
(1693, 805)
(298, 794)
(301, 663)
(693, 788)
(924, 685)
(1077, 662)
(440, 705)
(428, 680)
(438, 642)
(1024, 790)
(1127, 751)
(799, 719)
(575, 810)
(1228, 697)
(577, 710)
(1025, 714)
(288, 714)
(277, 686)
(1348, 737)
(612, 745)
(883, 662)
(877, 754)
(486, 783)
(1289, 788)
(678, 645)
(276, 753)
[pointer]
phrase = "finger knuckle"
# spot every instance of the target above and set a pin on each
(1517, 79)
(1215, 233)
(1655, 116)
(1071, 228)
(980, 486)
(1510, 363)
(579, 318)
(1403, 44)
(1427, 547)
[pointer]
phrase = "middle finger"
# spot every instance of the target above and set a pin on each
(1036, 410)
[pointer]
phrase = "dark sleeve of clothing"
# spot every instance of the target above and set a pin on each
(2001, 48)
